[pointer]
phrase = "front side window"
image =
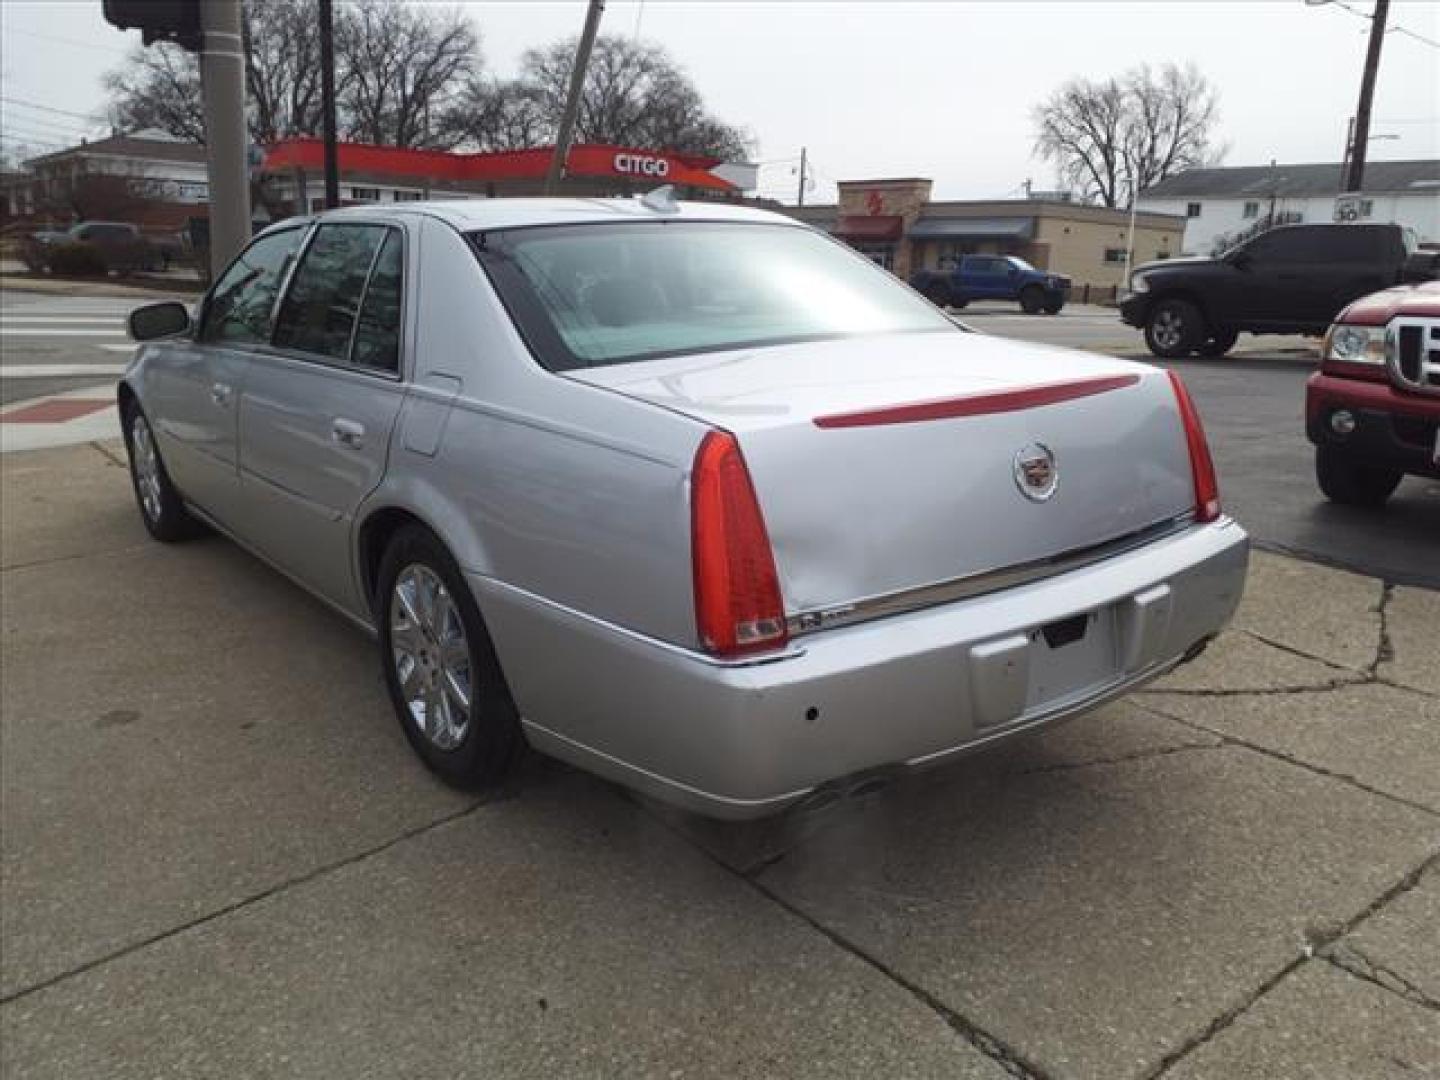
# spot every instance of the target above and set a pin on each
(240, 305)
(598, 294)
(319, 310)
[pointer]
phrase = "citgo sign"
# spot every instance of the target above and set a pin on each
(641, 165)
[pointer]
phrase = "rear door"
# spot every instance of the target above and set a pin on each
(191, 389)
(319, 406)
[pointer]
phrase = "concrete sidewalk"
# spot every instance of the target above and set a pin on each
(221, 859)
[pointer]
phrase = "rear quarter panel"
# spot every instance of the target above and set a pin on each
(569, 492)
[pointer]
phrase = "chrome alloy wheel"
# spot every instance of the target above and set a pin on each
(431, 656)
(147, 467)
(1168, 329)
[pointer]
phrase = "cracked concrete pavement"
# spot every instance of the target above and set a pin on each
(219, 858)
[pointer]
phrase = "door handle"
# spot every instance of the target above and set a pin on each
(220, 393)
(348, 432)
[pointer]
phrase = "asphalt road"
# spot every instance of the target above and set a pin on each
(1252, 403)
(51, 344)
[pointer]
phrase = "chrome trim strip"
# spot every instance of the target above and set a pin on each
(790, 652)
(986, 581)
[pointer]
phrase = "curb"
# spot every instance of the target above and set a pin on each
(66, 287)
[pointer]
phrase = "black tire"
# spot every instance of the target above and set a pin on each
(161, 507)
(938, 294)
(491, 742)
(1219, 343)
(1352, 483)
(1032, 299)
(958, 301)
(1173, 329)
(1053, 304)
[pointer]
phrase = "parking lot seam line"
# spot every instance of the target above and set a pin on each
(143, 545)
(1316, 944)
(1384, 649)
(1364, 673)
(241, 904)
(1326, 687)
(1007, 1057)
(1121, 759)
(1230, 740)
(105, 452)
(1354, 962)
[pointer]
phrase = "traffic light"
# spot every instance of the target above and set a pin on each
(158, 20)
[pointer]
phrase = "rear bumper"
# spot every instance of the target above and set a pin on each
(1392, 429)
(909, 691)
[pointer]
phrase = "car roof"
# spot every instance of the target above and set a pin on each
(471, 215)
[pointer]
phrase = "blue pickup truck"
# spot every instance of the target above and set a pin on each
(993, 277)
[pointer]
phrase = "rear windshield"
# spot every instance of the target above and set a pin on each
(587, 295)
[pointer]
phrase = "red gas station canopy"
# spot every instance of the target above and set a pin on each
(586, 159)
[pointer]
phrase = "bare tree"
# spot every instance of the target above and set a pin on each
(634, 95)
(400, 68)
(159, 87)
(282, 69)
(498, 114)
(397, 69)
(1112, 138)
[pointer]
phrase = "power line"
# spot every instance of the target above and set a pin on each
(47, 108)
(1392, 30)
(69, 41)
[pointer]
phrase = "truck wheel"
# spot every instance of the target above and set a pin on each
(1053, 304)
(1032, 299)
(1220, 342)
(937, 294)
(1174, 329)
(1346, 481)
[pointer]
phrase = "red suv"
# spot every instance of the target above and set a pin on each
(1373, 408)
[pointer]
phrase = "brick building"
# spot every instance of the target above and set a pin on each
(894, 222)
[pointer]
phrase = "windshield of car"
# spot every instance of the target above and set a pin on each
(585, 295)
(1021, 264)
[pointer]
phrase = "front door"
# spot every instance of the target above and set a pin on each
(318, 407)
(193, 386)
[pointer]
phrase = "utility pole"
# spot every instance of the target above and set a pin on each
(800, 196)
(222, 87)
(1361, 137)
(572, 100)
(327, 104)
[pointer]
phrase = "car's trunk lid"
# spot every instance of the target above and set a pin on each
(885, 464)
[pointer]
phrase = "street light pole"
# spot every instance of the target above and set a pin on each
(1361, 137)
(222, 88)
(572, 100)
(327, 105)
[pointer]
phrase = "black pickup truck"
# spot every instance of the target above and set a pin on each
(1292, 279)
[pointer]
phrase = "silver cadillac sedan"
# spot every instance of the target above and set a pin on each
(689, 495)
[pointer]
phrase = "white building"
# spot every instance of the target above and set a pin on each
(1224, 205)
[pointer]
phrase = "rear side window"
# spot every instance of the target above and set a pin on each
(319, 311)
(377, 337)
(240, 305)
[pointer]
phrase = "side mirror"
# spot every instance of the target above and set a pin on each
(153, 321)
(1241, 260)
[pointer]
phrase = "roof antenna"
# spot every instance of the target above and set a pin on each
(661, 200)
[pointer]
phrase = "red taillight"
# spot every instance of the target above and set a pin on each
(1202, 468)
(737, 593)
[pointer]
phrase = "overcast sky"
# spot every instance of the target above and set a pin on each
(888, 88)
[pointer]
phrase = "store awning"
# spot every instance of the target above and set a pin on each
(869, 227)
(1016, 228)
